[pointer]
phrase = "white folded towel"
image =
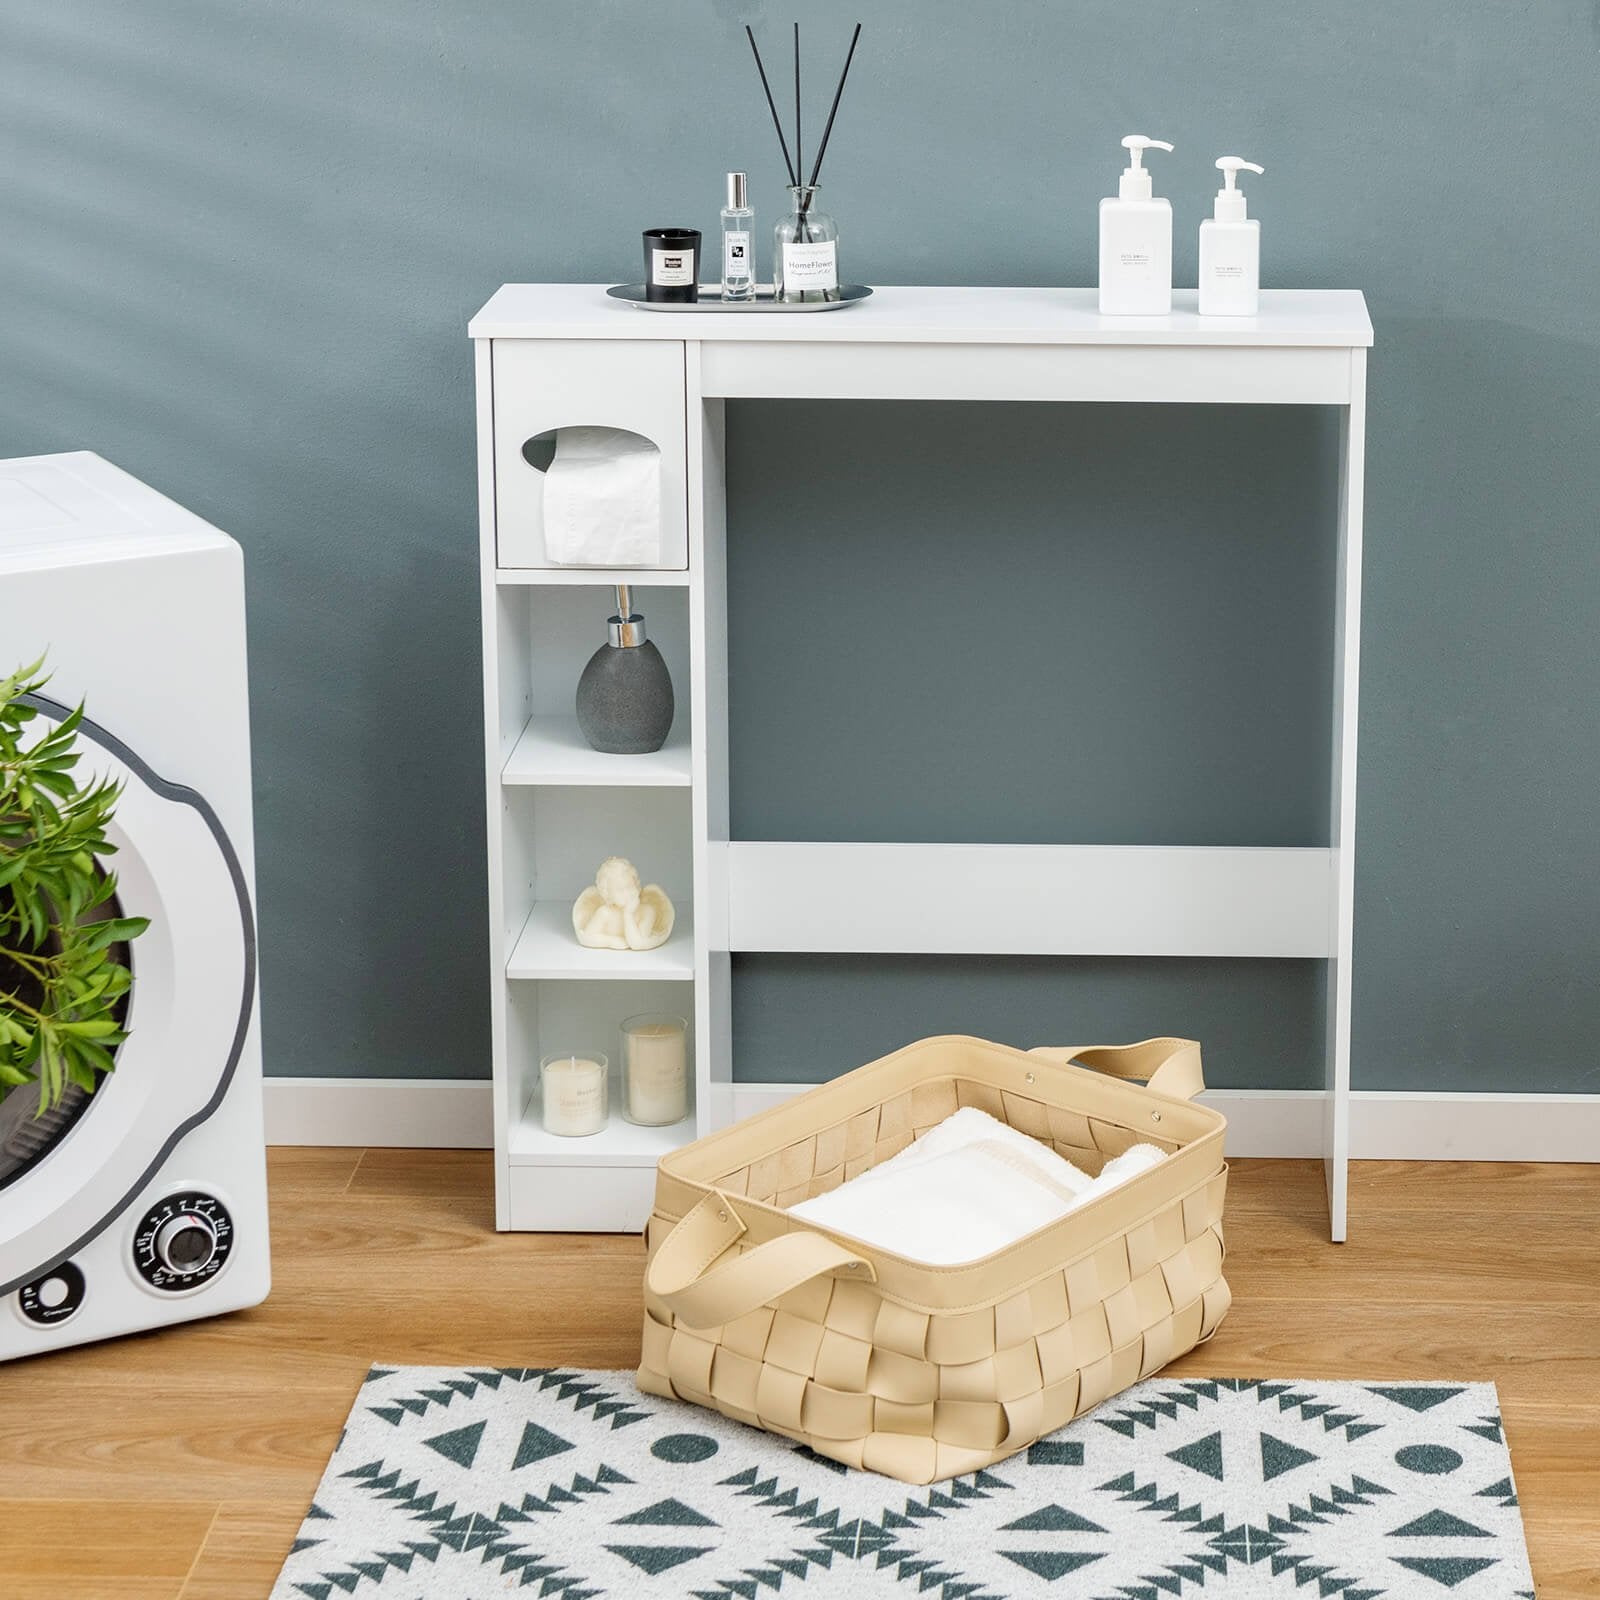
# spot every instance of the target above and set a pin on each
(602, 500)
(966, 1188)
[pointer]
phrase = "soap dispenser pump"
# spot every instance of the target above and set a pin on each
(1230, 249)
(1136, 241)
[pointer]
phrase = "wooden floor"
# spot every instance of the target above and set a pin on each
(177, 1465)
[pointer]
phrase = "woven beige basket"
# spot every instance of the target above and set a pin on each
(926, 1372)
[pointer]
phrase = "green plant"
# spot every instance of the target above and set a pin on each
(61, 988)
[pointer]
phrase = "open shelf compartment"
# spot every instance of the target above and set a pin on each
(557, 1015)
(543, 638)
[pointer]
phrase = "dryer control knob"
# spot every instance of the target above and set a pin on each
(186, 1243)
(183, 1241)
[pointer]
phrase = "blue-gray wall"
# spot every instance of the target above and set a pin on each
(238, 247)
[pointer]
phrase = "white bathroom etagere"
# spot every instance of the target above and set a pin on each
(553, 355)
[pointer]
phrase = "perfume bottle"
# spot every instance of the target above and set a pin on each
(805, 251)
(738, 238)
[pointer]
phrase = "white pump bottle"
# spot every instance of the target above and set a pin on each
(1136, 241)
(1230, 249)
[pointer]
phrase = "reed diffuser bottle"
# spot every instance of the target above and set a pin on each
(805, 251)
(805, 244)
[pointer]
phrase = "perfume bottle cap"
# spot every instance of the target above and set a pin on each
(1135, 184)
(1230, 204)
(738, 191)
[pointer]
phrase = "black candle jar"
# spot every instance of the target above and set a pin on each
(672, 264)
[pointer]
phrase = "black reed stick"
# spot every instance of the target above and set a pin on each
(822, 149)
(799, 157)
(833, 111)
(777, 122)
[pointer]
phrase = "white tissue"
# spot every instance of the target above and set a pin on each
(966, 1188)
(602, 500)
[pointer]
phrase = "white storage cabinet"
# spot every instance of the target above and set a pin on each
(555, 355)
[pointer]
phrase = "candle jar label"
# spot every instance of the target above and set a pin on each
(580, 1100)
(811, 266)
(672, 269)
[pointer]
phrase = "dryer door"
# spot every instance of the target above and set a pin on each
(189, 1006)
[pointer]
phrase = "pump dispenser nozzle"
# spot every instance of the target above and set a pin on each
(1135, 183)
(1230, 206)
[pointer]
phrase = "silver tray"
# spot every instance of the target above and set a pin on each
(711, 299)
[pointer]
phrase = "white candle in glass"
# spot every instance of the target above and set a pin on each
(574, 1092)
(655, 1070)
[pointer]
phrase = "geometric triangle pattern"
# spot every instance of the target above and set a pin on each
(1204, 1455)
(1278, 1456)
(458, 1484)
(538, 1444)
(459, 1444)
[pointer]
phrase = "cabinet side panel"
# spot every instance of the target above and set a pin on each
(1346, 692)
(709, 637)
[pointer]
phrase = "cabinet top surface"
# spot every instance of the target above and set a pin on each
(916, 315)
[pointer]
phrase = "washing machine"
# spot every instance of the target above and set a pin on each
(145, 1202)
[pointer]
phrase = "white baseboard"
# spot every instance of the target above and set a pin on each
(457, 1114)
(419, 1113)
(1474, 1127)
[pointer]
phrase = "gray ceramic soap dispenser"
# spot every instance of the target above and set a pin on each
(625, 700)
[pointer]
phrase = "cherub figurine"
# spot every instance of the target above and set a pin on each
(616, 914)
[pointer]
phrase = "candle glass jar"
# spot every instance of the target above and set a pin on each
(573, 1092)
(805, 251)
(655, 1069)
(672, 264)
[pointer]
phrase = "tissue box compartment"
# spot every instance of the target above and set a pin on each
(632, 385)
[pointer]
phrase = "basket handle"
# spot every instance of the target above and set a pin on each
(1169, 1066)
(702, 1296)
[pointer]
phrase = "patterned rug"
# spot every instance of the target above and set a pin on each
(453, 1484)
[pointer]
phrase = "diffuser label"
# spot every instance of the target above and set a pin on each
(736, 254)
(811, 266)
(671, 269)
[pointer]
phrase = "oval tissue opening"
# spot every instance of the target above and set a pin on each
(540, 450)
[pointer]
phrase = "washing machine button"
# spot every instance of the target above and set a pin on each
(54, 1297)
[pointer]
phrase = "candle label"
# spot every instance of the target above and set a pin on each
(672, 269)
(579, 1098)
(811, 266)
